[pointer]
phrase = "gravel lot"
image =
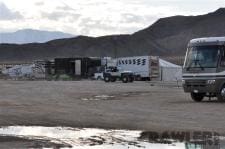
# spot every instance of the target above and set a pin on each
(139, 105)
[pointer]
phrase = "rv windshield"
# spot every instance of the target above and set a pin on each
(202, 57)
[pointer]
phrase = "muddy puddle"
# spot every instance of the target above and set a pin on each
(89, 138)
(114, 96)
(99, 97)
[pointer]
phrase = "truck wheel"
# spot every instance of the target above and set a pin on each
(221, 95)
(198, 97)
(113, 79)
(99, 78)
(131, 79)
(125, 79)
(106, 78)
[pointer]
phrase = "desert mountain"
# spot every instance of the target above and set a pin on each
(166, 37)
(31, 36)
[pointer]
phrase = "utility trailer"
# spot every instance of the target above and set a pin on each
(144, 67)
(204, 68)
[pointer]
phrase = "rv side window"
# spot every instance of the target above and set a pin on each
(222, 63)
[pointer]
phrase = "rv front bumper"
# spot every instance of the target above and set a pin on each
(202, 86)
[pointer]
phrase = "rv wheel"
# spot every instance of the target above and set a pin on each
(106, 78)
(221, 96)
(125, 79)
(198, 97)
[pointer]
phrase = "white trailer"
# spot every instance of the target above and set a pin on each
(144, 67)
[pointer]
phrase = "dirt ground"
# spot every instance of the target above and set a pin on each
(139, 105)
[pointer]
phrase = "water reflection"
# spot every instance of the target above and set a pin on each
(89, 138)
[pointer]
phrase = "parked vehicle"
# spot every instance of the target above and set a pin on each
(204, 68)
(144, 67)
(113, 73)
(98, 76)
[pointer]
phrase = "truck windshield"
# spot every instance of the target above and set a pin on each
(202, 57)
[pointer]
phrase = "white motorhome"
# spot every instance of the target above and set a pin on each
(204, 68)
(144, 67)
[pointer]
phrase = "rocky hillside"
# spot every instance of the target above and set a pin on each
(166, 37)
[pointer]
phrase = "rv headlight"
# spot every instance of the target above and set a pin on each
(211, 81)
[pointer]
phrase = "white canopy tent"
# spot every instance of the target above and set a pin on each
(169, 71)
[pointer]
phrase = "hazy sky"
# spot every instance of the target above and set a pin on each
(95, 17)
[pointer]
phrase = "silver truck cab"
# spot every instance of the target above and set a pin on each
(204, 68)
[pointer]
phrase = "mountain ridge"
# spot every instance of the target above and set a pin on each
(35, 36)
(166, 37)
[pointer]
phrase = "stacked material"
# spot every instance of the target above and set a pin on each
(35, 70)
(19, 71)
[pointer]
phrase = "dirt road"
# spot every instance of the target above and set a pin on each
(137, 105)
